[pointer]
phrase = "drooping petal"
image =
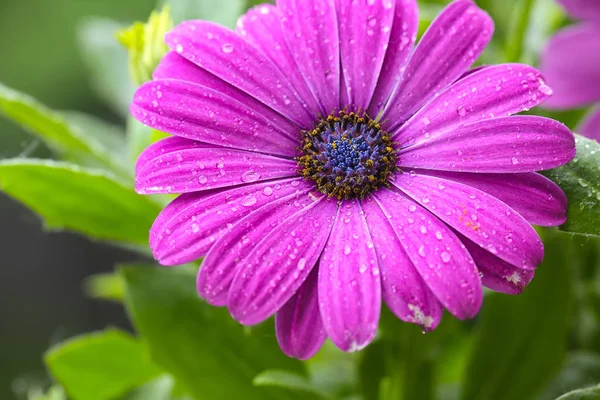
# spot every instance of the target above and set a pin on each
(311, 33)
(495, 91)
(400, 46)
(299, 327)
(404, 291)
(221, 263)
(509, 144)
(539, 200)
(261, 26)
(435, 251)
(280, 263)
(349, 281)
(364, 31)
(570, 65)
(450, 46)
(169, 166)
(588, 10)
(590, 126)
(229, 57)
(477, 215)
(497, 274)
(199, 113)
(175, 66)
(186, 229)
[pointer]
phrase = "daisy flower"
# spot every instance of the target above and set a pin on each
(326, 164)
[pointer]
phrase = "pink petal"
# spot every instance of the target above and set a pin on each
(177, 165)
(588, 10)
(480, 217)
(508, 144)
(299, 327)
(229, 57)
(400, 46)
(404, 291)
(349, 282)
(310, 29)
(495, 91)
(590, 126)
(261, 27)
(450, 46)
(199, 113)
(280, 263)
(570, 65)
(363, 26)
(187, 228)
(223, 259)
(436, 252)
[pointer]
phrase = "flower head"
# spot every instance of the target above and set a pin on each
(325, 163)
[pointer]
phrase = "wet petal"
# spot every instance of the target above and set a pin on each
(202, 114)
(570, 65)
(228, 56)
(280, 263)
(261, 27)
(349, 281)
(588, 10)
(509, 144)
(495, 91)
(400, 46)
(479, 216)
(404, 291)
(311, 33)
(187, 228)
(450, 46)
(363, 25)
(223, 259)
(177, 165)
(299, 327)
(590, 126)
(436, 252)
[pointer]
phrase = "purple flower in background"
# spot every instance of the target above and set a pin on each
(571, 63)
(325, 164)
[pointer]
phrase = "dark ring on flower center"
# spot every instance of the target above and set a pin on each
(347, 156)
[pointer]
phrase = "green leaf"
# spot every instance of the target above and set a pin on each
(289, 381)
(54, 393)
(81, 200)
(224, 12)
(580, 180)
(592, 393)
(107, 62)
(581, 369)
(521, 340)
(207, 352)
(109, 286)
(101, 366)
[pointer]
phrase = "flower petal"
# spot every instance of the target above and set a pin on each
(363, 25)
(349, 282)
(509, 144)
(187, 228)
(495, 91)
(436, 252)
(199, 113)
(174, 66)
(229, 57)
(400, 46)
(280, 263)
(479, 216)
(261, 27)
(172, 166)
(311, 32)
(223, 259)
(539, 200)
(299, 327)
(591, 125)
(570, 65)
(450, 46)
(588, 10)
(497, 274)
(404, 291)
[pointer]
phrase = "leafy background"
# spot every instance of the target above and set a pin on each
(64, 55)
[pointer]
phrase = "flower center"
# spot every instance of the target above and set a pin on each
(347, 156)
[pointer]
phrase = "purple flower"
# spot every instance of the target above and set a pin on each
(306, 206)
(571, 63)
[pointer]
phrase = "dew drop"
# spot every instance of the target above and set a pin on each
(227, 48)
(445, 257)
(248, 201)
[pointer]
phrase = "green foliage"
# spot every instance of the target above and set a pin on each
(101, 366)
(289, 381)
(109, 286)
(223, 12)
(592, 393)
